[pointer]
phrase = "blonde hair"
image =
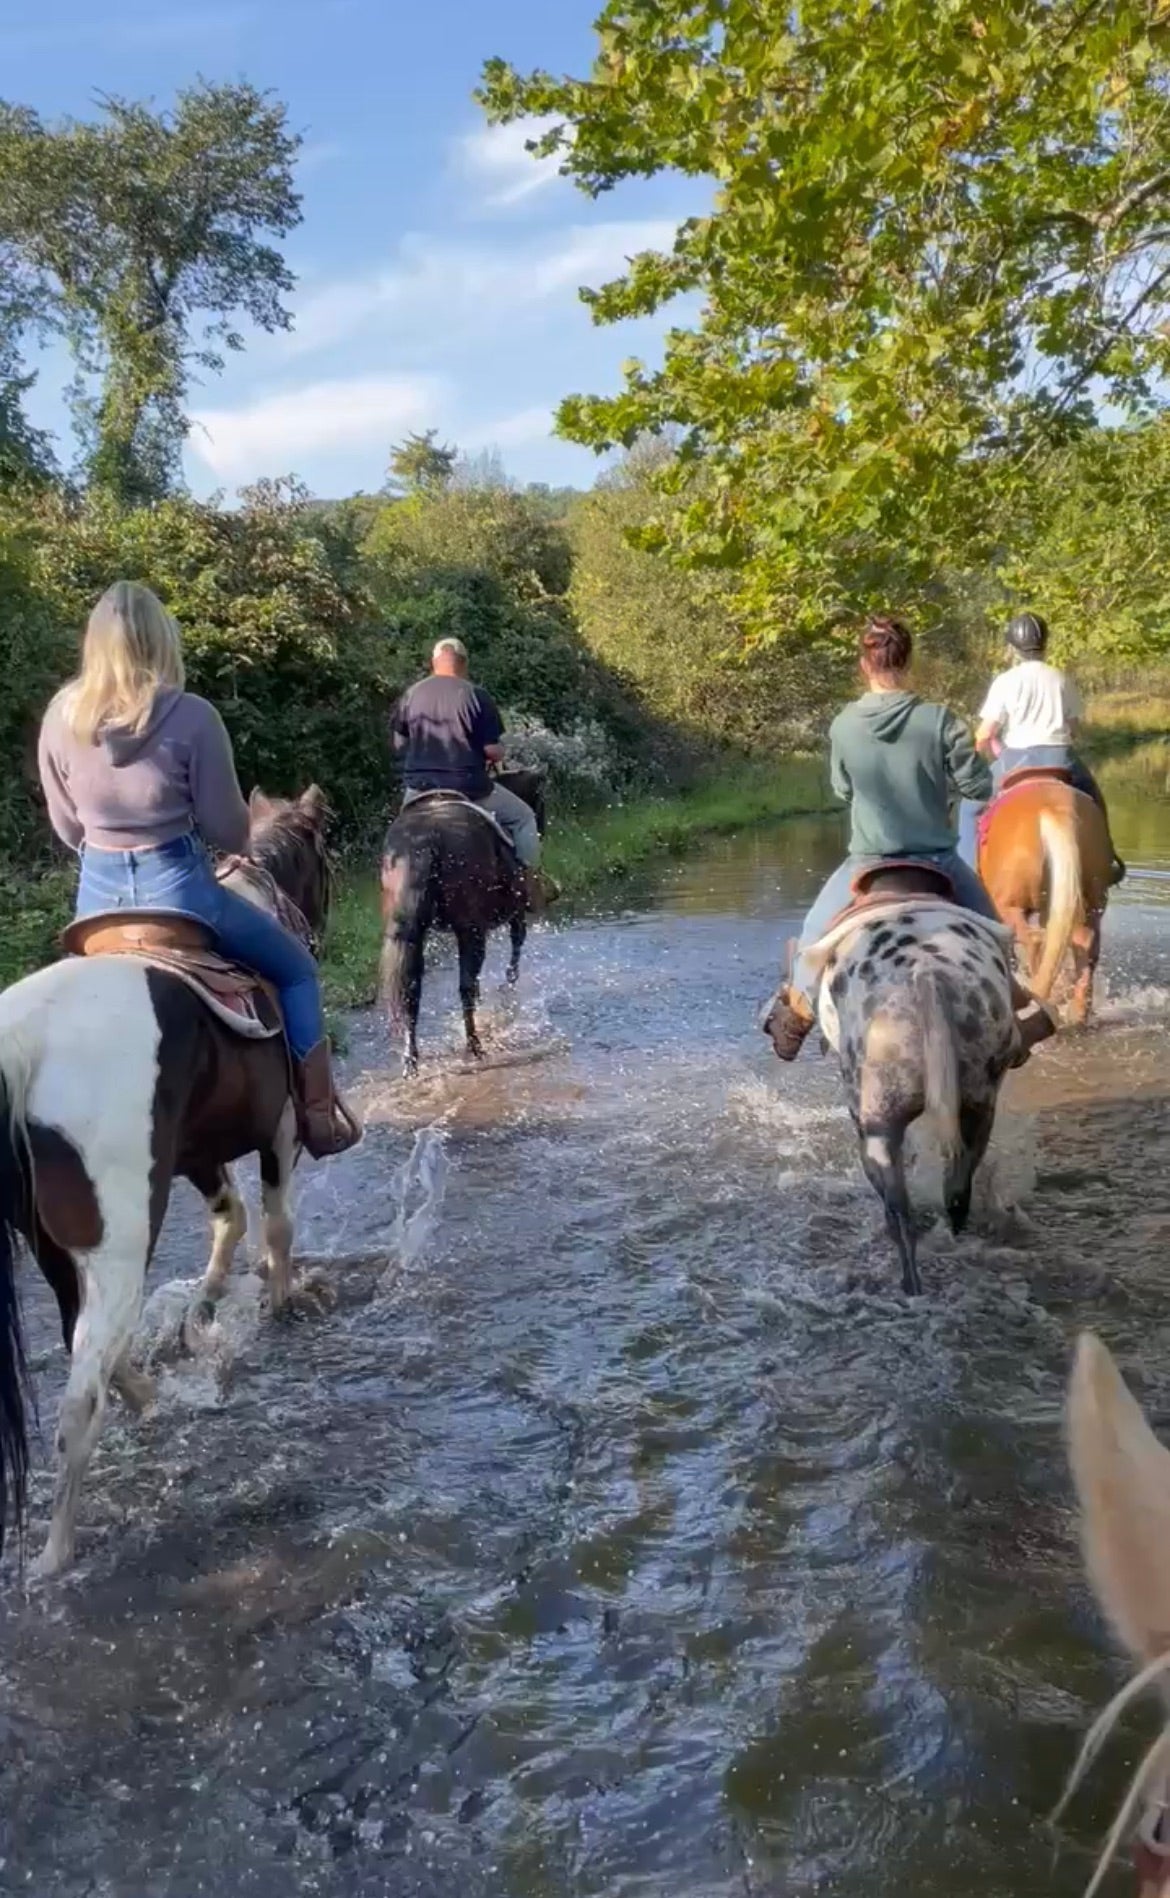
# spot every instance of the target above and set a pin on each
(131, 651)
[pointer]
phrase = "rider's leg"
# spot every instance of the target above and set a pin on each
(1082, 779)
(519, 820)
(253, 937)
(791, 1012)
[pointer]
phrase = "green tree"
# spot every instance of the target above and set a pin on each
(421, 464)
(1091, 551)
(150, 232)
(937, 239)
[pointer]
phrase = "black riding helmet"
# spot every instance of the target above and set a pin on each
(1027, 633)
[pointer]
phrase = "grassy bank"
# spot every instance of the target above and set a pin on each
(592, 848)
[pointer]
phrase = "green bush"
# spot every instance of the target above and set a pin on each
(278, 631)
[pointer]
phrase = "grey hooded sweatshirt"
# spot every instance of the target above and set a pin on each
(137, 790)
(897, 761)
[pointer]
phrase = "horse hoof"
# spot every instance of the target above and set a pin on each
(410, 1068)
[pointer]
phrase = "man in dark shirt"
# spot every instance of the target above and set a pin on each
(449, 731)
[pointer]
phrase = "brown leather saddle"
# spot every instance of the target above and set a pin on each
(901, 878)
(1058, 774)
(182, 946)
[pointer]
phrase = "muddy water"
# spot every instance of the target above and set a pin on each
(623, 1531)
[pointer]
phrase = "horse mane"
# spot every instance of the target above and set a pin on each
(288, 835)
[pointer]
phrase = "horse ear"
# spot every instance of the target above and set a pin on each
(314, 801)
(1122, 1476)
(259, 805)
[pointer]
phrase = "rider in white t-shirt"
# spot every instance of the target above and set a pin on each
(1030, 716)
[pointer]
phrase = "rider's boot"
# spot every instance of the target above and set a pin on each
(325, 1124)
(1033, 1020)
(786, 1020)
(539, 890)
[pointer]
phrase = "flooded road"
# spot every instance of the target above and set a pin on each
(624, 1531)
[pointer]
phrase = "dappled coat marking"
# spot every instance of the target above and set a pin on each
(915, 999)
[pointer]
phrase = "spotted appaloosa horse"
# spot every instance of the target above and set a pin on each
(114, 1079)
(1122, 1477)
(1046, 860)
(915, 999)
(446, 866)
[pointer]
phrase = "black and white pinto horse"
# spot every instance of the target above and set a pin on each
(115, 1079)
(916, 1002)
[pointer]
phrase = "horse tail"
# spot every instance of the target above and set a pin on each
(15, 1075)
(1065, 897)
(408, 877)
(940, 1061)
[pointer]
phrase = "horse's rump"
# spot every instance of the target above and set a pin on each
(444, 866)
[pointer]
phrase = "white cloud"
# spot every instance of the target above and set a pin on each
(433, 290)
(495, 159)
(521, 430)
(278, 431)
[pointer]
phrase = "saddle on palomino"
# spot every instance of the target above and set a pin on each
(1018, 781)
(181, 946)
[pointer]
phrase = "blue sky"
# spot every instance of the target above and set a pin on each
(439, 264)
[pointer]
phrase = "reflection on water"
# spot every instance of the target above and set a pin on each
(623, 1531)
(1137, 787)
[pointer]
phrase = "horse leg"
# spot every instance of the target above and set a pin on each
(472, 950)
(229, 1223)
(881, 1158)
(975, 1125)
(312, 1294)
(519, 929)
(1086, 952)
(403, 954)
(114, 1274)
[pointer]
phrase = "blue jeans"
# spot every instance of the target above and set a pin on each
(178, 876)
(1044, 757)
(834, 897)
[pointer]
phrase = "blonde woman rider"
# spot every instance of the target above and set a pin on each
(140, 780)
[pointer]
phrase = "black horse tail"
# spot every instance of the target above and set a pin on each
(409, 875)
(13, 1366)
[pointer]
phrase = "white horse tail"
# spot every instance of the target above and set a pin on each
(1065, 897)
(940, 1061)
(15, 1075)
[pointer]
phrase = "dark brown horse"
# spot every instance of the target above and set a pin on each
(115, 1078)
(1046, 860)
(446, 866)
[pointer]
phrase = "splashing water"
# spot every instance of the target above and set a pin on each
(419, 1191)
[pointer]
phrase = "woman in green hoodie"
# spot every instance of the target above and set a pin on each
(898, 762)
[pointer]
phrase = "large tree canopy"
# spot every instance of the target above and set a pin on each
(147, 236)
(939, 240)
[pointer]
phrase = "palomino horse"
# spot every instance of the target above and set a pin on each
(915, 998)
(1122, 1476)
(115, 1077)
(1046, 859)
(446, 865)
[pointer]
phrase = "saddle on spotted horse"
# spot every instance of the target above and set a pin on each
(182, 946)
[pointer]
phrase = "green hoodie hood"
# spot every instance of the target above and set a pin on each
(900, 762)
(885, 714)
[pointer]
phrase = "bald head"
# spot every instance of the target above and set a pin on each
(449, 659)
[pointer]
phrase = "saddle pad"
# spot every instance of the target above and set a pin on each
(1019, 781)
(940, 915)
(231, 994)
(415, 798)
